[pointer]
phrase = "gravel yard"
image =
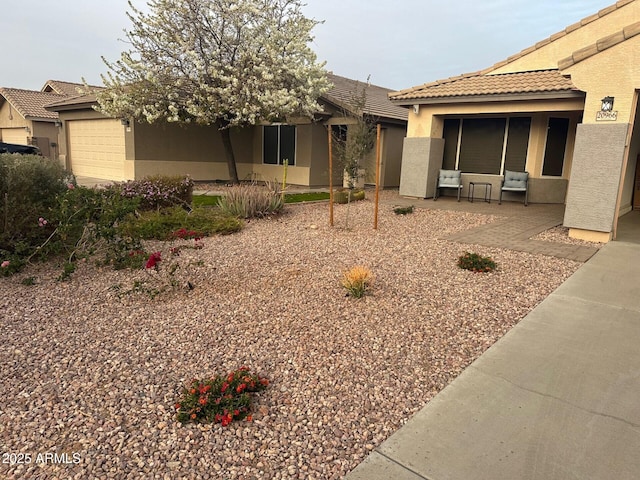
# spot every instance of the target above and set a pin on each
(89, 372)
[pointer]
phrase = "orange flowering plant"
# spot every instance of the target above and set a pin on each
(220, 399)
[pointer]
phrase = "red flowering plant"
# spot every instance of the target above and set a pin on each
(220, 399)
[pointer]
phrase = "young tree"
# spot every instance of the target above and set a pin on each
(227, 63)
(357, 141)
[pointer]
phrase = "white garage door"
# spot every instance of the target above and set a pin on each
(14, 135)
(96, 148)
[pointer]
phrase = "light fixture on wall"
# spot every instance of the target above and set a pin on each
(27, 129)
(125, 122)
(607, 104)
(416, 109)
(58, 123)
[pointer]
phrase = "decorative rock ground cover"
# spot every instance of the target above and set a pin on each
(91, 375)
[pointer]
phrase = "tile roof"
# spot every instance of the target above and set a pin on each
(377, 98)
(30, 104)
(475, 84)
(377, 103)
(560, 34)
(609, 41)
(70, 103)
(69, 89)
(413, 93)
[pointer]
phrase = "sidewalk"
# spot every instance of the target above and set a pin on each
(556, 398)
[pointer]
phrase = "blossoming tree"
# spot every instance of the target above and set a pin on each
(227, 63)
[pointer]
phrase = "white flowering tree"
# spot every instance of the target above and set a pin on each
(227, 63)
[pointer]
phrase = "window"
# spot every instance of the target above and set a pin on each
(517, 143)
(451, 133)
(279, 144)
(556, 146)
(481, 145)
(484, 145)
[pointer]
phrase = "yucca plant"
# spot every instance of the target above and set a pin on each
(357, 281)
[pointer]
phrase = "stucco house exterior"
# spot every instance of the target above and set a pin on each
(564, 110)
(24, 120)
(94, 145)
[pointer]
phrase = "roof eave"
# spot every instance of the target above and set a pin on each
(510, 97)
(75, 106)
(40, 119)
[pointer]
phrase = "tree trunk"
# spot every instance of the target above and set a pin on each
(228, 150)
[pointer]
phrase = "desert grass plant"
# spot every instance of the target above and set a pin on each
(252, 200)
(476, 263)
(357, 281)
(403, 210)
(221, 399)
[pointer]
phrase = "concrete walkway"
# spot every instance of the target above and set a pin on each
(557, 398)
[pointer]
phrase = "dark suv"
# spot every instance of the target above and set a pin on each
(15, 148)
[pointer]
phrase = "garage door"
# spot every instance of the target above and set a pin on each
(96, 148)
(14, 135)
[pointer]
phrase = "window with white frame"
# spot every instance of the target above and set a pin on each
(279, 144)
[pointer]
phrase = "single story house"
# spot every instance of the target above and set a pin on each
(94, 145)
(564, 110)
(24, 120)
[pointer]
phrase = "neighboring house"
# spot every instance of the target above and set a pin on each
(94, 145)
(24, 120)
(565, 110)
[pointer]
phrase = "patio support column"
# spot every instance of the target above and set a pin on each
(595, 179)
(421, 162)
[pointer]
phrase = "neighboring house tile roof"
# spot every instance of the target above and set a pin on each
(30, 104)
(476, 85)
(377, 101)
(80, 101)
(69, 89)
(377, 98)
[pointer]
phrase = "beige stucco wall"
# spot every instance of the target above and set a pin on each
(548, 55)
(593, 190)
(614, 72)
(10, 118)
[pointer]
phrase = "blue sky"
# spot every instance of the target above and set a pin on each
(398, 43)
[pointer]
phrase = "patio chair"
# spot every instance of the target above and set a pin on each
(515, 182)
(448, 179)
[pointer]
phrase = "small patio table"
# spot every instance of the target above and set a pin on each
(487, 191)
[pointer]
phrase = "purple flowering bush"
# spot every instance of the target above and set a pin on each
(158, 191)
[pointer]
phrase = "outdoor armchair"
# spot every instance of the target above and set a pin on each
(515, 182)
(448, 179)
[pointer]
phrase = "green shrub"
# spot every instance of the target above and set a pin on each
(57, 217)
(160, 224)
(158, 191)
(403, 210)
(476, 263)
(346, 195)
(29, 187)
(252, 201)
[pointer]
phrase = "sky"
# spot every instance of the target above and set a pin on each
(397, 44)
